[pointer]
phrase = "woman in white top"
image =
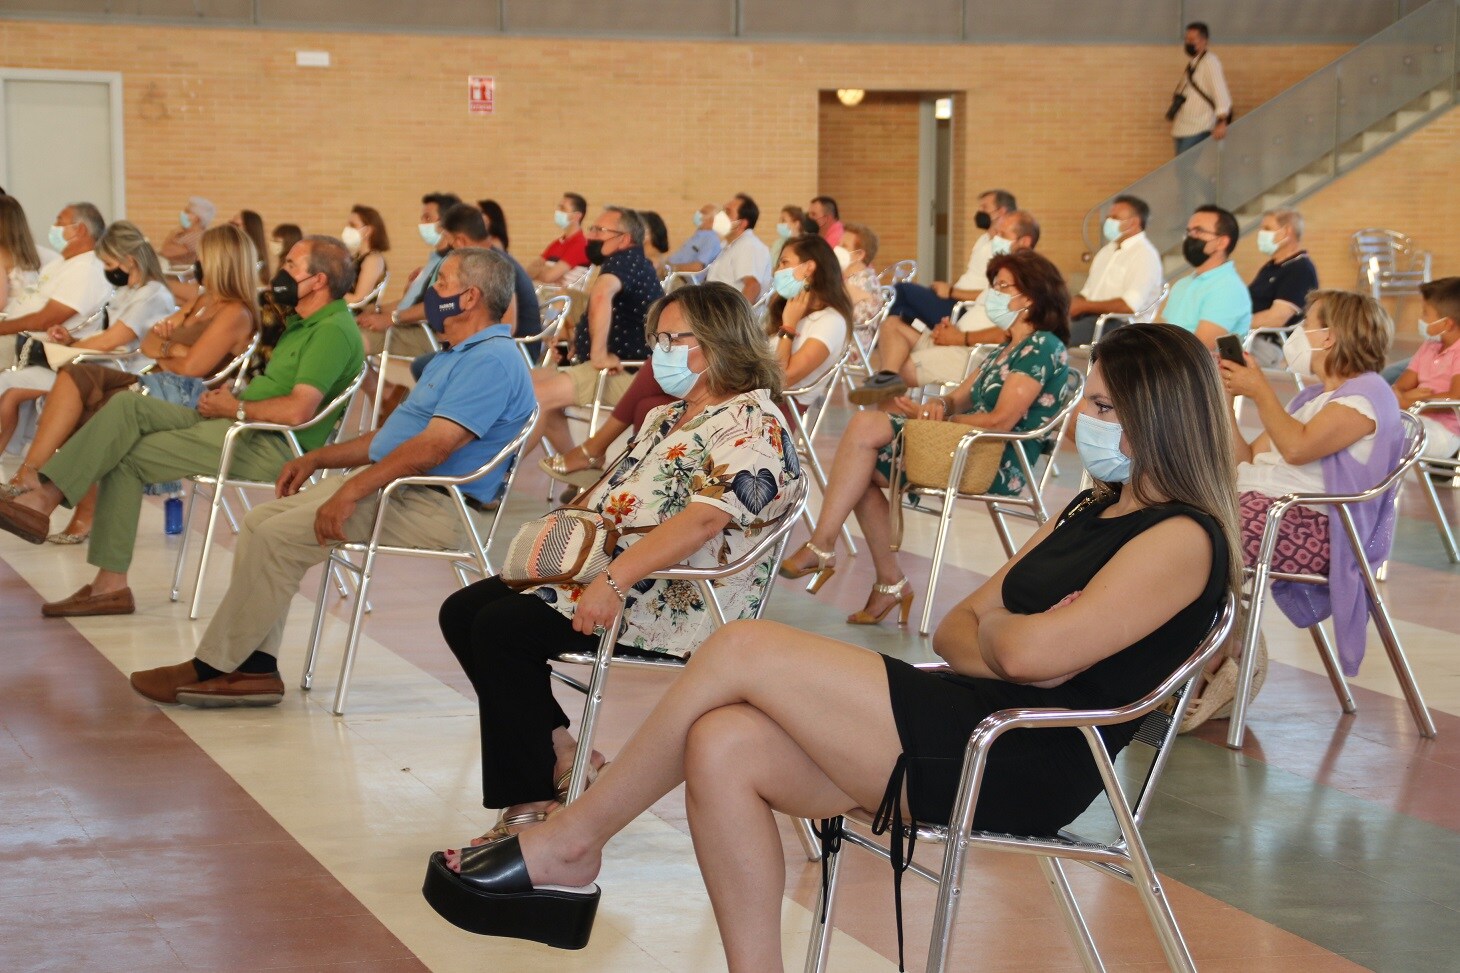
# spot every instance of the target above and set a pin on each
(20, 259)
(1340, 436)
(140, 301)
(809, 316)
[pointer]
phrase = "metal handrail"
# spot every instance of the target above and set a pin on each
(1316, 118)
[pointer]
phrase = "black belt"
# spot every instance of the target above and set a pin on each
(471, 501)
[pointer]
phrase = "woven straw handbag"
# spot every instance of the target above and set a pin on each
(928, 447)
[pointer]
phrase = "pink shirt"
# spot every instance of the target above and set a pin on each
(833, 233)
(1436, 367)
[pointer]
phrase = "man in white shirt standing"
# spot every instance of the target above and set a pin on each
(745, 262)
(1125, 276)
(1205, 105)
(70, 290)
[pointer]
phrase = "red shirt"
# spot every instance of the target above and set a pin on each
(571, 250)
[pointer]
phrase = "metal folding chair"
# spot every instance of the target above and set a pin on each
(902, 272)
(772, 544)
(1149, 309)
(372, 299)
(864, 340)
(554, 315)
(1028, 506)
(219, 482)
(381, 364)
(1262, 574)
(1125, 857)
(474, 558)
(1389, 263)
(809, 402)
(1427, 470)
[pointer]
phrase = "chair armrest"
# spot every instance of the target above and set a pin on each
(772, 536)
(1433, 405)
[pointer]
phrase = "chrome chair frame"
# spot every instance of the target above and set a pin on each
(999, 506)
(554, 314)
(801, 402)
(381, 361)
(901, 272)
(221, 481)
(1261, 575)
(374, 295)
(1381, 272)
(1128, 318)
(475, 558)
(1427, 468)
(1125, 858)
(866, 348)
(772, 542)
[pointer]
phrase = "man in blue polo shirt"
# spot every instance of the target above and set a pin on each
(1213, 301)
(469, 403)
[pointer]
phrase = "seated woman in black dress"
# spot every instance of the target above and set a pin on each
(702, 479)
(1103, 603)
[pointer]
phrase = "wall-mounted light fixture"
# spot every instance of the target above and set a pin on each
(851, 97)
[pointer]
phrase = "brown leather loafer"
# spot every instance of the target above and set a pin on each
(234, 689)
(23, 522)
(163, 683)
(84, 603)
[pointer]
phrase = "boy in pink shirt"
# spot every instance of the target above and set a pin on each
(1434, 372)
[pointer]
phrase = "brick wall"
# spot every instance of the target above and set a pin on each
(868, 162)
(1410, 188)
(660, 125)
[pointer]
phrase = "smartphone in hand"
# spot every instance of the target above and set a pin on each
(1229, 346)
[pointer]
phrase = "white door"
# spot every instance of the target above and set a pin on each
(61, 142)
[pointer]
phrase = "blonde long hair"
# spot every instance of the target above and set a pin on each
(1167, 392)
(738, 357)
(122, 240)
(229, 257)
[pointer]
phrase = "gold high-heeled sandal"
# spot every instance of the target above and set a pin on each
(902, 591)
(556, 466)
(824, 569)
(9, 491)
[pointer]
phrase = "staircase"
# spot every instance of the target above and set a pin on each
(1304, 138)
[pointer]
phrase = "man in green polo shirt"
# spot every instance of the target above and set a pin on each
(136, 440)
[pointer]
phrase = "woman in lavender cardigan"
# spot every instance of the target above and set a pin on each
(1341, 434)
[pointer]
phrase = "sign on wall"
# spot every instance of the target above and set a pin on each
(481, 94)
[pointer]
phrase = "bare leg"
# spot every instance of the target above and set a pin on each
(895, 340)
(783, 673)
(108, 581)
(58, 421)
(740, 766)
(595, 447)
(853, 470)
(84, 514)
(10, 403)
(874, 514)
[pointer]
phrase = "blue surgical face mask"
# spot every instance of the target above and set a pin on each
(1267, 242)
(1110, 229)
(699, 219)
(786, 283)
(783, 230)
(185, 220)
(561, 219)
(57, 238)
(430, 233)
(1099, 444)
(996, 306)
(439, 308)
(672, 371)
(1000, 246)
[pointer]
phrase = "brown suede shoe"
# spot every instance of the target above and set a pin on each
(163, 683)
(84, 603)
(234, 689)
(23, 522)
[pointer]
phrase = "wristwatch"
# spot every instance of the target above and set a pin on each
(239, 416)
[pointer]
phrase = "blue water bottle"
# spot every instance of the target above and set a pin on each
(172, 514)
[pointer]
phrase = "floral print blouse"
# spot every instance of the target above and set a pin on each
(867, 293)
(1042, 357)
(738, 457)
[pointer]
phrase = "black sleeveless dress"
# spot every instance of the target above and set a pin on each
(1038, 781)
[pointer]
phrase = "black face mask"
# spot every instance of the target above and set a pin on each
(284, 288)
(198, 271)
(1191, 50)
(595, 252)
(117, 277)
(982, 220)
(1194, 251)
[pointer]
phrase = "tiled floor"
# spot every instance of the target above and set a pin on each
(137, 837)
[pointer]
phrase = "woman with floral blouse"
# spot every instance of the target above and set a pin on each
(1017, 388)
(703, 478)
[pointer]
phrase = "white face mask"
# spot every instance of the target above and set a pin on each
(843, 257)
(1424, 329)
(1267, 242)
(352, 238)
(1298, 351)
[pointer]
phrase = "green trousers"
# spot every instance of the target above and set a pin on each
(136, 440)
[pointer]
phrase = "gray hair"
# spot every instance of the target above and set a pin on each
(489, 272)
(630, 222)
(328, 256)
(90, 217)
(122, 240)
(204, 208)
(1003, 199)
(1289, 219)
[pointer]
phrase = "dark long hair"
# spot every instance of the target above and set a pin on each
(496, 220)
(826, 285)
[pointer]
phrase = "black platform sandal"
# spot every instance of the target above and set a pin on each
(493, 895)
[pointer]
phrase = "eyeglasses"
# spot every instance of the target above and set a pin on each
(1002, 288)
(605, 230)
(664, 340)
(1199, 233)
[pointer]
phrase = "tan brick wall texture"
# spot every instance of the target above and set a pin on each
(868, 163)
(660, 125)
